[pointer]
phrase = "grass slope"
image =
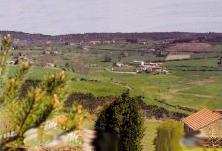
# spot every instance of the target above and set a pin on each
(190, 83)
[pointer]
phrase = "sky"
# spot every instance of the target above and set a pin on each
(56, 17)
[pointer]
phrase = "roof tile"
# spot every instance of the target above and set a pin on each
(201, 119)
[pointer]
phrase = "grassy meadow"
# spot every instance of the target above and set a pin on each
(195, 83)
(191, 83)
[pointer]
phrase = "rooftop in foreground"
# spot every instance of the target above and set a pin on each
(201, 119)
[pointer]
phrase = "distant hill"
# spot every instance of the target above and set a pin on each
(176, 36)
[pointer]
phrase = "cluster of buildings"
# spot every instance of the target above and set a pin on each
(154, 68)
(48, 52)
(142, 66)
(149, 67)
(23, 57)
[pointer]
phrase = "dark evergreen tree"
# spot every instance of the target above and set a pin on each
(120, 126)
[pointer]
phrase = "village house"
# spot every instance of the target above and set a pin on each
(74, 44)
(46, 52)
(107, 42)
(137, 63)
(149, 67)
(85, 47)
(205, 126)
(148, 50)
(118, 64)
(142, 42)
(154, 68)
(95, 42)
(50, 65)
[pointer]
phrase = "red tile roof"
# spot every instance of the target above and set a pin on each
(201, 119)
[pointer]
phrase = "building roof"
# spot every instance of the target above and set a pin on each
(201, 119)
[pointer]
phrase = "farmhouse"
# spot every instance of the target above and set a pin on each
(95, 42)
(118, 64)
(50, 65)
(148, 50)
(205, 126)
(154, 68)
(137, 63)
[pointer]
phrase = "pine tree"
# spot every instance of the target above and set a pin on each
(4, 53)
(32, 109)
(22, 112)
(120, 126)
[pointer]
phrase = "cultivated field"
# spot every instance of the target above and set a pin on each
(191, 47)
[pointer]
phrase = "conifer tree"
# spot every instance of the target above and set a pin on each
(23, 113)
(4, 53)
(120, 126)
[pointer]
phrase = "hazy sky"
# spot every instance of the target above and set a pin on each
(78, 16)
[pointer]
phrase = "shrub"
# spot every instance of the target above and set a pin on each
(169, 135)
(89, 102)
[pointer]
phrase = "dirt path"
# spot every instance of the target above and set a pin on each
(121, 72)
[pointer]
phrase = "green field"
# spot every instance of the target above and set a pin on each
(191, 83)
(186, 85)
(150, 134)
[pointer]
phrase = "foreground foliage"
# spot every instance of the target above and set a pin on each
(169, 136)
(23, 110)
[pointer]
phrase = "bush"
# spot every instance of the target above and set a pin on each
(120, 126)
(89, 102)
(169, 135)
